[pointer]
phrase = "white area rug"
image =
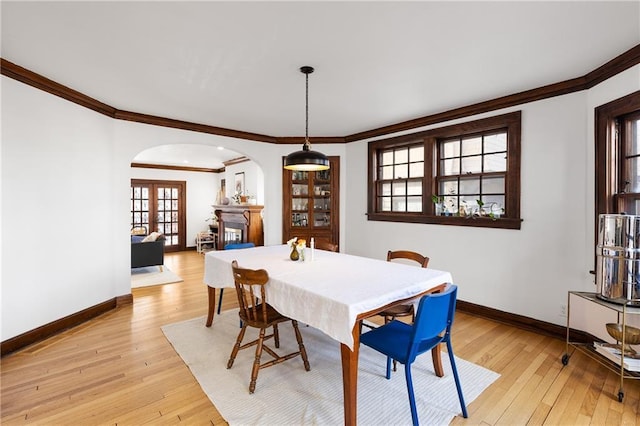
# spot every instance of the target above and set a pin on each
(151, 275)
(288, 395)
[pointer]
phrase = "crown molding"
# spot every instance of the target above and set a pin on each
(179, 168)
(194, 127)
(235, 161)
(615, 66)
(30, 78)
(16, 72)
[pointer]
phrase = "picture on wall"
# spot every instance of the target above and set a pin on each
(240, 183)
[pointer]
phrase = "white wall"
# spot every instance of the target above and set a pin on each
(58, 234)
(201, 191)
(66, 170)
(253, 180)
(526, 272)
(65, 202)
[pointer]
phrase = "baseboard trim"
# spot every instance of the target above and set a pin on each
(525, 323)
(541, 327)
(43, 332)
(126, 299)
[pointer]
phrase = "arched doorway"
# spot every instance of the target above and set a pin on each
(173, 188)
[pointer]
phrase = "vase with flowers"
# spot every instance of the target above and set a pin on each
(294, 249)
(241, 198)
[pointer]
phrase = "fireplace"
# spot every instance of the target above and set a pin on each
(239, 224)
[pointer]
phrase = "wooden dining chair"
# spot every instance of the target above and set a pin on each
(232, 246)
(326, 245)
(403, 310)
(405, 342)
(256, 312)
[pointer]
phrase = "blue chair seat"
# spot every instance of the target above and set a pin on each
(394, 339)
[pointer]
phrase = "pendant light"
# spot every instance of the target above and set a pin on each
(306, 160)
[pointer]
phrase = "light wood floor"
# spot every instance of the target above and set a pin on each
(120, 369)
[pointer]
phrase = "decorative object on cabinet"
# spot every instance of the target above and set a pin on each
(310, 204)
(306, 159)
(239, 183)
(594, 350)
(239, 224)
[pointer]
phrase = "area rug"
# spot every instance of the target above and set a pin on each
(288, 395)
(151, 275)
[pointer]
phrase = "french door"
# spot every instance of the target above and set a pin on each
(159, 206)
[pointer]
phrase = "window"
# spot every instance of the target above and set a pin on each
(618, 156)
(400, 179)
(472, 168)
(466, 174)
(628, 198)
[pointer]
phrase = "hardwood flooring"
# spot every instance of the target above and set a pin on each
(119, 369)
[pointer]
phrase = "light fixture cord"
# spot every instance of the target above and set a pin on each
(306, 126)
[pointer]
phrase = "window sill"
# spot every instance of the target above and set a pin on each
(479, 222)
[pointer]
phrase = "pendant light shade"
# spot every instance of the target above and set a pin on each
(306, 159)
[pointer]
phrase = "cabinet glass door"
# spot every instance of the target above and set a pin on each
(322, 198)
(300, 199)
(310, 204)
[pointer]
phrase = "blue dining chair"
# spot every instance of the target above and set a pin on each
(404, 342)
(232, 246)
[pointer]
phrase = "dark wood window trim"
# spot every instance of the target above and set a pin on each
(606, 153)
(511, 220)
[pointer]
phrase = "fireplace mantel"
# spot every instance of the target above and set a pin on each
(243, 219)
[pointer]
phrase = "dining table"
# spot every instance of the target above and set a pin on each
(331, 291)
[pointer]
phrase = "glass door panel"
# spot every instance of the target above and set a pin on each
(140, 206)
(168, 207)
(159, 207)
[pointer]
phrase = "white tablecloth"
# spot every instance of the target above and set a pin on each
(329, 292)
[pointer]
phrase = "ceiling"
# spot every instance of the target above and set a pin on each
(236, 64)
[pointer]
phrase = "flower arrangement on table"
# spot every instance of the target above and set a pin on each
(297, 248)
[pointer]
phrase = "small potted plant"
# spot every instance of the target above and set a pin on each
(439, 204)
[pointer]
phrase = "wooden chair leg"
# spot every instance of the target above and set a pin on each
(395, 363)
(436, 355)
(211, 293)
(256, 362)
(276, 336)
(236, 347)
(303, 351)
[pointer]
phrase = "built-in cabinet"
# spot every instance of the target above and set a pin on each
(311, 204)
(239, 223)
